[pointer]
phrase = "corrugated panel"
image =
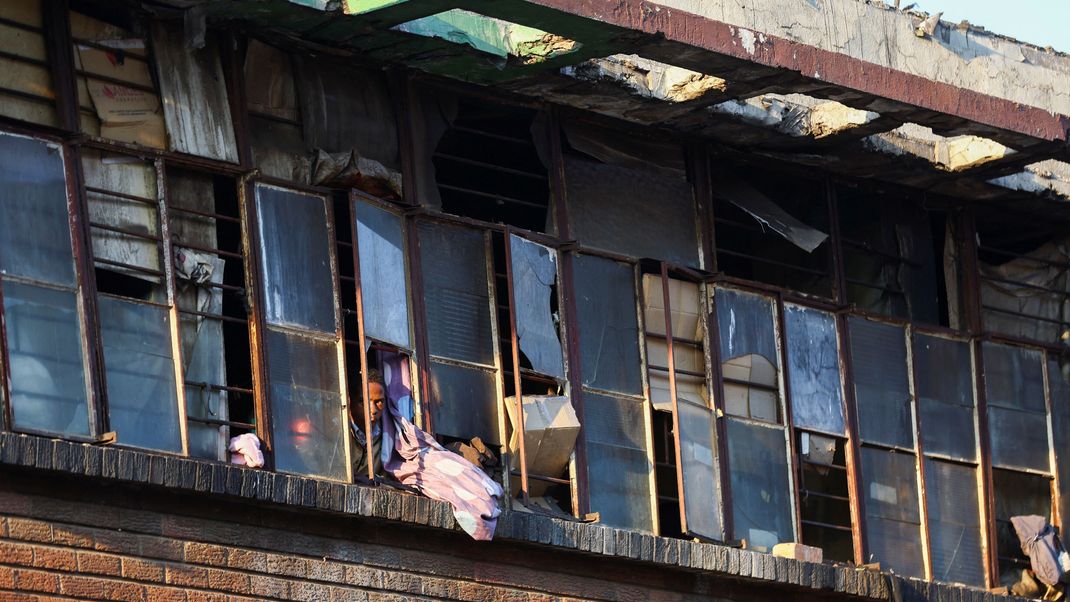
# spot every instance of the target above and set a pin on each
(882, 392)
(954, 523)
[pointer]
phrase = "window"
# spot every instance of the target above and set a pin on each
(26, 90)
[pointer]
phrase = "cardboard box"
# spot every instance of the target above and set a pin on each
(551, 428)
(798, 551)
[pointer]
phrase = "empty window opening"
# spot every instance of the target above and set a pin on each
(487, 166)
(773, 228)
(949, 153)
(797, 114)
(511, 42)
(824, 501)
(648, 78)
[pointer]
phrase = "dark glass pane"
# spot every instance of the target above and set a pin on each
(608, 325)
(140, 370)
(814, 370)
(944, 384)
(46, 369)
(954, 523)
(1019, 439)
(454, 264)
(702, 496)
(882, 392)
(1014, 377)
(36, 238)
(619, 466)
(295, 250)
(381, 239)
(534, 287)
(893, 517)
(306, 406)
(464, 402)
(761, 494)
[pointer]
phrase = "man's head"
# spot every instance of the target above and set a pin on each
(377, 395)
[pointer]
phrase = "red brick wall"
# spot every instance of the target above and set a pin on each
(63, 538)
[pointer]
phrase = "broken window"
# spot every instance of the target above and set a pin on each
(26, 90)
(460, 332)
(305, 387)
(956, 551)
(681, 393)
(893, 515)
(619, 464)
(750, 361)
(882, 388)
(814, 370)
(206, 236)
(943, 379)
(116, 91)
(890, 249)
(534, 276)
(481, 161)
(824, 499)
(617, 189)
(1017, 494)
(772, 228)
(45, 369)
(195, 106)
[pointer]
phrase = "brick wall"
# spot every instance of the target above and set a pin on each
(67, 538)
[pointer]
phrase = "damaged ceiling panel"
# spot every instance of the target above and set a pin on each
(949, 153)
(797, 114)
(497, 37)
(648, 78)
(1049, 178)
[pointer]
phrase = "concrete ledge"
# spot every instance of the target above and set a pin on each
(184, 474)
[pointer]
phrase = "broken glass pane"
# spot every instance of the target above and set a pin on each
(205, 363)
(381, 240)
(954, 523)
(893, 517)
(534, 286)
(619, 467)
(46, 366)
(454, 264)
(882, 392)
(140, 372)
(688, 331)
(1017, 494)
(36, 241)
(814, 370)
(1060, 418)
(1014, 377)
(295, 247)
(944, 382)
(608, 324)
(746, 327)
(306, 406)
(702, 496)
(464, 402)
(761, 494)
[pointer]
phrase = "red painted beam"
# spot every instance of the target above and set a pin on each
(823, 65)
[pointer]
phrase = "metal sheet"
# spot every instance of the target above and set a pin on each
(464, 403)
(943, 379)
(748, 198)
(36, 240)
(534, 287)
(46, 369)
(954, 523)
(381, 239)
(882, 391)
(296, 263)
(814, 370)
(893, 516)
(1019, 439)
(761, 492)
(698, 453)
(609, 205)
(608, 324)
(618, 463)
(140, 371)
(454, 264)
(306, 406)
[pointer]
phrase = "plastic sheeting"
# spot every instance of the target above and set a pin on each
(308, 430)
(36, 240)
(954, 523)
(381, 246)
(632, 212)
(454, 265)
(882, 389)
(464, 402)
(1017, 415)
(295, 247)
(943, 378)
(761, 491)
(741, 194)
(46, 364)
(893, 515)
(1046, 268)
(608, 324)
(140, 370)
(534, 286)
(619, 466)
(814, 370)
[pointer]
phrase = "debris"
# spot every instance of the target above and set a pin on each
(798, 551)
(928, 26)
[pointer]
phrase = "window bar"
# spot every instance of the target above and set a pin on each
(919, 450)
(362, 341)
(714, 351)
(127, 266)
(207, 214)
(667, 307)
(125, 231)
(515, 348)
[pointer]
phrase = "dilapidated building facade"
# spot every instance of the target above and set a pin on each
(795, 271)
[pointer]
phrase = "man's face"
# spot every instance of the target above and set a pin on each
(378, 397)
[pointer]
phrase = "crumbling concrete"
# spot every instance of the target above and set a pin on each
(1048, 177)
(948, 153)
(648, 78)
(797, 114)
